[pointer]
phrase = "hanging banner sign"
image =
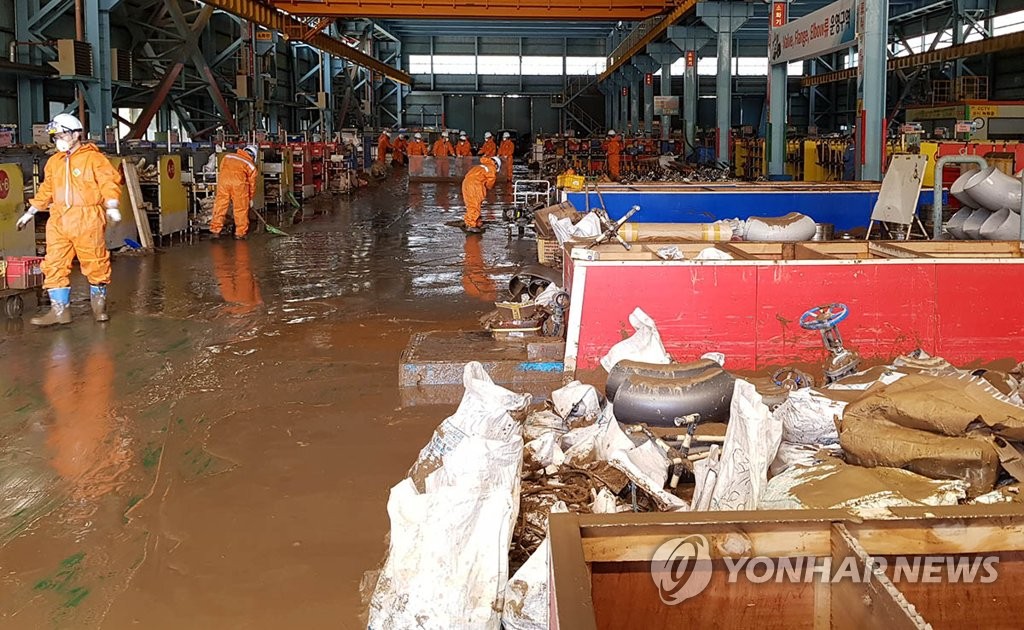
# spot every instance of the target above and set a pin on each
(691, 58)
(780, 14)
(826, 30)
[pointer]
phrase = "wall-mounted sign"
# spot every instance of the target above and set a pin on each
(666, 105)
(691, 58)
(823, 31)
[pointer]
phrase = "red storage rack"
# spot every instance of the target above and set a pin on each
(24, 272)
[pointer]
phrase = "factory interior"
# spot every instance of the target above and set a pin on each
(511, 314)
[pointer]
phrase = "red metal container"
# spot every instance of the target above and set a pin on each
(24, 272)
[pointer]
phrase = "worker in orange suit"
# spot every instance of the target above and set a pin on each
(383, 146)
(475, 280)
(464, 148)
(417, 147)
(442, 150)
(398, 149)
(488, 149)
(506, 150)
(417, 150)
(478, 181)
(236, 185)
(237, 283)
(82, 189)
(613, 149)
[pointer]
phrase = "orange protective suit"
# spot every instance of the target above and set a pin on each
(478, 181)
(383, 146)
(237, 283)
(613, 148)
(489, 149)
(443, 148)
(236, 184)
(506, 150)
(417, 147)
(77, 187)
(464, 149)
(398, 149)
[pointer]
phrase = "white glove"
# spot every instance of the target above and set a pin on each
(25, 218)
(114, 214)
(252, 204)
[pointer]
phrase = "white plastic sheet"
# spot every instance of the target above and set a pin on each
(587, 227)
(526, 596)
(576, 400)
(863, 490)
(736, 478)
(645, 345)
(452, 519)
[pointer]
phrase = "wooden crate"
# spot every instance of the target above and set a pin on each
(549, 253)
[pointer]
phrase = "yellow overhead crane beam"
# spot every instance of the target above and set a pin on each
(273, 18)
(644, 34)
(480, 9)
(1013, 41)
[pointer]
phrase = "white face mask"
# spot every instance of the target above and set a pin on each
(63, 145)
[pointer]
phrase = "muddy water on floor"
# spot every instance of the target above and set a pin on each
(219, 454)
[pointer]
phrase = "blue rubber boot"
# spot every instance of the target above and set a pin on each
(60, 308)
(98, 300)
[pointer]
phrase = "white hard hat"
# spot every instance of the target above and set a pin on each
(462, 136)
(611, 132)
(417, 135)
(497, 162)
(252, 150)
(506, 135)
(487, 134)
(63, 123)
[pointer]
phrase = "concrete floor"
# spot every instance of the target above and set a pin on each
(219, 455)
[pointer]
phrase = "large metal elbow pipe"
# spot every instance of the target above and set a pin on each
(937, 189)
(957, 190)
(994, 189)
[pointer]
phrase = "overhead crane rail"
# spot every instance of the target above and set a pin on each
(271, 17)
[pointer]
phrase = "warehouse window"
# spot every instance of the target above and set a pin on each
(454, 64)
(419, 64)
(750, 66)
(548, 66)
(497, 64)
(585, 65)
(1009, 23)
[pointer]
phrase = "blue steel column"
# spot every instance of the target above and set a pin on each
(623, 84)
(687, 39)
(326, 85)
(633, 80)
(616, 101)
(30, 91)
(664, 53)
(873, 36)
(724, 18)
(777, 98)
(100, 95)
(646, 65)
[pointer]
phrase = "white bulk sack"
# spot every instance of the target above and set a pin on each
(452, 518)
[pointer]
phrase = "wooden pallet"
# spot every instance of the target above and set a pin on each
(131, 177)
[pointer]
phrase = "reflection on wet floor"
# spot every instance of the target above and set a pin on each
(223, 448)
